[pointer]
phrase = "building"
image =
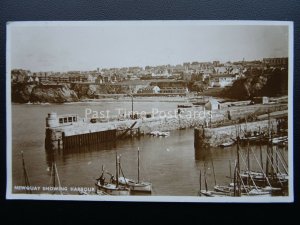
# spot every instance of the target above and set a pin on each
(277, 62)
(212, 104)
(221, 69)
(216, 63)
(101, 79)
(222, 80)
(261, 100)
(174, 90)
(149, 90)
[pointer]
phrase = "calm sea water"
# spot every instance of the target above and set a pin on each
(170, 163)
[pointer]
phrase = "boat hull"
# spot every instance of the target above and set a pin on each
(112, 189)
(140, 187)
(278, 180)
(135, 186)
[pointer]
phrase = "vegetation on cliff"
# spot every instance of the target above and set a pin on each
(53, 94)
(23, 93)
(268, 82)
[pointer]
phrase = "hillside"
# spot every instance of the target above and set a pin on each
(270, 82)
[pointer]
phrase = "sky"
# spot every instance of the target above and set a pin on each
(87, 46)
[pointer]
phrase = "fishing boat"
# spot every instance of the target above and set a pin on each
(239, 186)
(184, 106)
(135, 186)
(227, 144)
(111, 188)
(252, 138)
(279, 140)
(246, 190)
(273, 175)
(208, 193)
(276, 179)
(200, 102)
(258, 192)
(159, 134)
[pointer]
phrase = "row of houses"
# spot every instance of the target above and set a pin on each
(165, 90)
(223, 80)
(165, 87)
(72, 79)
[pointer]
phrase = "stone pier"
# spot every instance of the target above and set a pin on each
(70, 131)
(213, 137)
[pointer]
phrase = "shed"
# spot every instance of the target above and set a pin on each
(261, 100)
(212, 104)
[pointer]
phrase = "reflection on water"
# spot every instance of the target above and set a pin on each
(171, 163)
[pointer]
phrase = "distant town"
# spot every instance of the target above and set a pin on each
(151, 80)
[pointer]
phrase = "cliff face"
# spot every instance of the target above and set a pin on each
(53, 94)
(268, 83)
(23, 93)
(85, 90)
(90, 90)
(20, 93)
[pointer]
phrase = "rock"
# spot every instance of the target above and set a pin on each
(85, 90)
(269, 82)
(53, 94)
(20, 93)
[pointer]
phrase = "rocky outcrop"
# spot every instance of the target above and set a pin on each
(20, 93)
(271, 82)
(85, 90)
(53, 94)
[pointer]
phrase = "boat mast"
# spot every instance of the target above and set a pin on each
(205, 181)
(212, 162)
(200, 181)
(117, 175)
(58, 180)
(27, 183)
(260, 150)
(119, 171)
(268, 145)
(272, 157)
(138, 165)
(230, 170)
(248, 164)
(238, 167)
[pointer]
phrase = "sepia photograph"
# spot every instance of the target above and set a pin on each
(154, 111)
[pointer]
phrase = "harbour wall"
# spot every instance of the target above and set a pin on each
(69, 131)
(213, 137)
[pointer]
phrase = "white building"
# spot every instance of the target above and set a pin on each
(149, 90)
(212, 104)
(222, 80)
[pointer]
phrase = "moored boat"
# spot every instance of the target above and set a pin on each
(279, 140)
(111, 188)
(246, 190)
(260, 178)
(184, 106)
(136, 186)
(227, 144)
(160, 134)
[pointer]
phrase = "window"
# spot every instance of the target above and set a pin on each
(65, 120)
(70, 119)
(74, 118)
(61, 120)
